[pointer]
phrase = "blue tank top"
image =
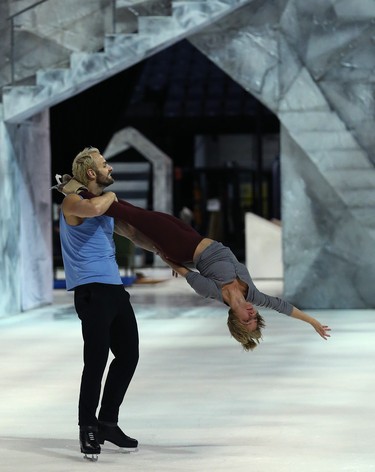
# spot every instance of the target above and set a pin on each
(88, 252)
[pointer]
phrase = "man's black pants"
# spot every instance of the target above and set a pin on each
(108, 323)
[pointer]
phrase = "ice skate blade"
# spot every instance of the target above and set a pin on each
(125, 450)
(91, 457)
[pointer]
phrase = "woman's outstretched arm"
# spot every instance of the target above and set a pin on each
(322, 330)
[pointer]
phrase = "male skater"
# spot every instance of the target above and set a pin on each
(102, 304)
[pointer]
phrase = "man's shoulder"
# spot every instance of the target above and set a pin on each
(68, 210)
(72, 197)
(69, 199)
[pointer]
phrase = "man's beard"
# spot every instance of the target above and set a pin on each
(104, 181)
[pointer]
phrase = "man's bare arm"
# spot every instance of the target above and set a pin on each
(74, 206)
(177, 269)
(138, 238)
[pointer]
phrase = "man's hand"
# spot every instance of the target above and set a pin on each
(177, 269)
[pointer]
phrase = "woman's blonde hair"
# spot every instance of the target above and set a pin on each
(249, 340)
(83, 162)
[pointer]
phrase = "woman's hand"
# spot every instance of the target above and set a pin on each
(322, 330)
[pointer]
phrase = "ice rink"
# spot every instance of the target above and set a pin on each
(197, 403)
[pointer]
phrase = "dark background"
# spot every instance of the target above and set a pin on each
(170, 98)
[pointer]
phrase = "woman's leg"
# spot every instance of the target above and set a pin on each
(173, 237)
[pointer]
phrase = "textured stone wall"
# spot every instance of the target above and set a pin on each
(312, 63)
(25, 218)
(5, 43)
(32, 145)
(10, 260)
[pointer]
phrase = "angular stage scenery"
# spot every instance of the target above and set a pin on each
(241, 117)
(197, 401)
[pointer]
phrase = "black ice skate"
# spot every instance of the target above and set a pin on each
(115, 435)
(88, 439)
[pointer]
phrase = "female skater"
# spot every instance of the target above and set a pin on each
(220, 275)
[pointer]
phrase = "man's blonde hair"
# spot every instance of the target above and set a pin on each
(249, 340)
(83, 162)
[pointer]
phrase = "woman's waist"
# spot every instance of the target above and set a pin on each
(201, 247)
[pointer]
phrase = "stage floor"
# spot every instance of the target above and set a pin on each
(197, 403)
